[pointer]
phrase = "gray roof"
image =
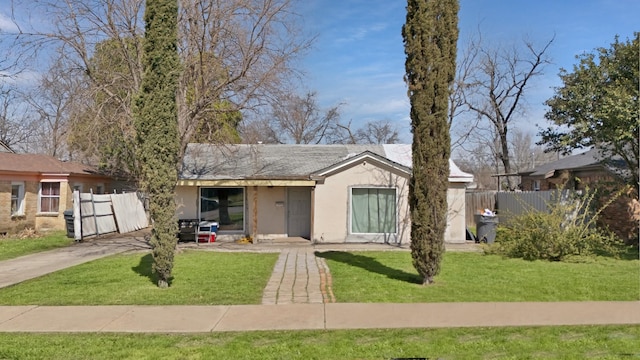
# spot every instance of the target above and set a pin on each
(265, 161)
(589, 159)
(280, 162)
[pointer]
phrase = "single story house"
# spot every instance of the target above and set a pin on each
(324, 193)
(588, 170)
(35, 190)
(588, 167)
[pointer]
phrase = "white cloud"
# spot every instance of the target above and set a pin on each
(361, 32)
(7, 25)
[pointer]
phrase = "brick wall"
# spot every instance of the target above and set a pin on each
(621, 216)
(12, 224)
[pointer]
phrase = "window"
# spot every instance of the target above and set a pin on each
(17, 198)
(536, 185)
(373, 211)
(224, 206)
(77, 187)
(100, 189)
(49, 197)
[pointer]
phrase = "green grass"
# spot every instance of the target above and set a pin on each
(390, 277)
(12, 247)
(201, 278)
(565, 342)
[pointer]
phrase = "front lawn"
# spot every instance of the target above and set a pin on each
(562, 342)
(390, 277)
(201, 278)
(12, 247)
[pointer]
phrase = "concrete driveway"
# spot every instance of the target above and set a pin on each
(27, 267)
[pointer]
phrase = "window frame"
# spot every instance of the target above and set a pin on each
(221, 226)
(41, 197)
(20, 198)
(351, 211)
(536, 185)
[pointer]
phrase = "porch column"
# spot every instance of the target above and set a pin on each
(254, 217)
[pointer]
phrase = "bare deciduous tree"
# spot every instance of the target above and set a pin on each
(300, 120)
(378, 132)
(236, 52)
(52, 102)
(497, 87)
(16, 124)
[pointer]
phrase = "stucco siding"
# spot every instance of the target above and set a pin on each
(455, 232)
(186, 202)
(332, 214)
(271, 212)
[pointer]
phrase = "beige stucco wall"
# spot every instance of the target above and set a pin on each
(331, 206)
(186, 202)
(456, 224)
(271, 212)
(331, 221)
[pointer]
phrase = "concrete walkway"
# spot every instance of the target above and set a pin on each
(295, 279)
(300, 285)
(201, 319)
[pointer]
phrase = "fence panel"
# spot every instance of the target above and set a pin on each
(476, 202)
(510, 204)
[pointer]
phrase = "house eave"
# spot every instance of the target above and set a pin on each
(244, 182)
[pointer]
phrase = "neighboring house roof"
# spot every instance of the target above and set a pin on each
(587, 160)
(4, 148)
(41, 164)
(244, 161)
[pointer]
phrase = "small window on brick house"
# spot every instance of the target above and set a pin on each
(536, 185)
(49, 197)
(17, 198)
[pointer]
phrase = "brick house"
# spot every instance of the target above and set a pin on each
(36, 189)
(587, 170)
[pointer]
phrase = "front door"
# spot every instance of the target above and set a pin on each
(299, 212)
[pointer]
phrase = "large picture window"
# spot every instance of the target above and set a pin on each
(224, 206)
(373, 211)
(49, 197)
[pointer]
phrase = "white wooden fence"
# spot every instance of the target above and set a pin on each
(95, 214)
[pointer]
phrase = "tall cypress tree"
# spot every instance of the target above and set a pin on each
(156, 123)
(430, 35)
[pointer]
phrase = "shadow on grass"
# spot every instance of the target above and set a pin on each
(630, 253)
(144, 268)
(370, 264)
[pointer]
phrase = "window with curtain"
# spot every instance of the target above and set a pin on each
(49, 197)
(373, 211)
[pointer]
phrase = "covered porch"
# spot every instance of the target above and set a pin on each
(265, 210)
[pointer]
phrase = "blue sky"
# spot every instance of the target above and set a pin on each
(358, 58)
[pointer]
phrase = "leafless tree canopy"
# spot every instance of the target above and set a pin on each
(16, 125)
(233, 52)
(492, 84)
(299, 120)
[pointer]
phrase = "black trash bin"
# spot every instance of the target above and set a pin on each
(486, 228)
(68, 219)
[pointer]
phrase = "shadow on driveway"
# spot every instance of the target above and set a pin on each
(369, 264)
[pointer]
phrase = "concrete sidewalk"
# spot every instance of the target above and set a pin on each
(199, 319)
